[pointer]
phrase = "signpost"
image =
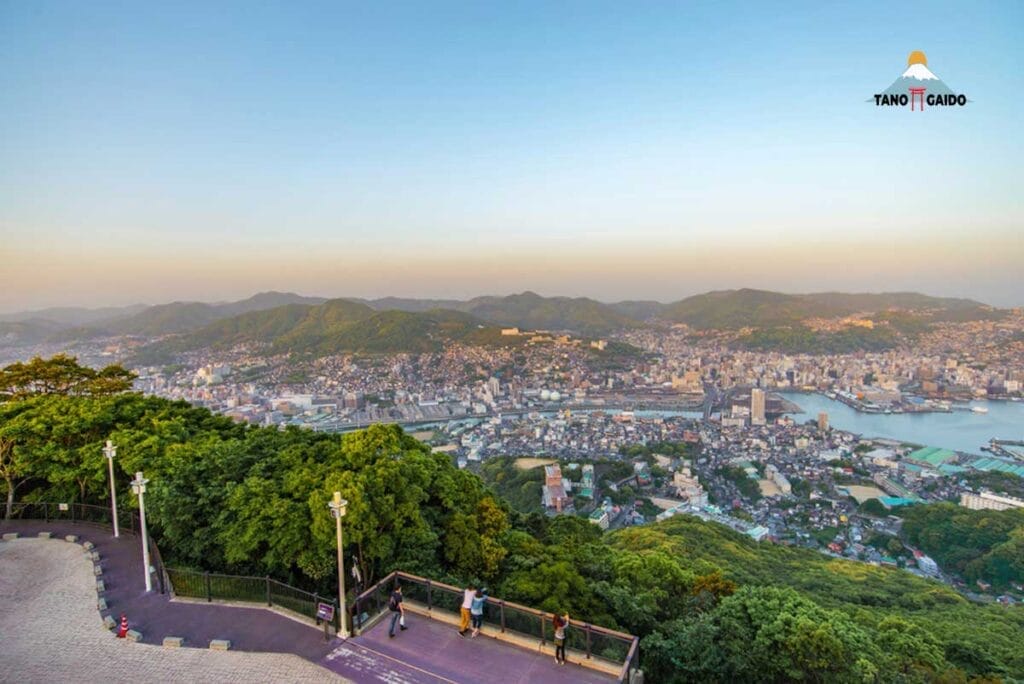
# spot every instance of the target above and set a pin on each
(325, 612)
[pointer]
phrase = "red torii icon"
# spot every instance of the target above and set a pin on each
(914, 93)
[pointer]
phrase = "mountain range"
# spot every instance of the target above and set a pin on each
(289, 322)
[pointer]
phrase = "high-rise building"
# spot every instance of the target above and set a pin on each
(823, 421)
(757, 407)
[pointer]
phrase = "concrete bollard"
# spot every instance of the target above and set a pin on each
(88, 546)
(10, 536)
(134, 636)
(101, 604)
(97, 570)
(109, 622)
(220, 645)
(45, 535)
(100, 587)
(71, 538)
(173, 642)
(95, 555)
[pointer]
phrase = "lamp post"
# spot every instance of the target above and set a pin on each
(139, 487)
(110, 451)
(338, 507)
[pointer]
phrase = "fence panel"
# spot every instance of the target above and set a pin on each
(187, 583)
(295, 600)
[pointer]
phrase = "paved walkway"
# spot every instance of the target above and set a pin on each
(432, 652)
(58, 634)
(155, 616)
(52, 632)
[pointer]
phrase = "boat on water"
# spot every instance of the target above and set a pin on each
(979, 409)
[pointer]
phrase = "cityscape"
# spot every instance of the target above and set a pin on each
(461, 343)
(577, 405)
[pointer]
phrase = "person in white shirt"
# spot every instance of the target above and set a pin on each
(467, 604)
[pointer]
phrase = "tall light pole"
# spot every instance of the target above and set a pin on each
(139, 487)
(110, 451)
(338, 507)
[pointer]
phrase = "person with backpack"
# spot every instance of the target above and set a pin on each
(397, 609)
(561, 623)
(476, 610)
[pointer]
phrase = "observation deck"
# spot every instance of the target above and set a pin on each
(514, 645)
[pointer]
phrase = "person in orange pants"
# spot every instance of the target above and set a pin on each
(467, 603)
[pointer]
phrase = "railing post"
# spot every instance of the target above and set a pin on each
(429, 597)
(502, 605)
(269, 602)
(543, 629)
(316, 611)
(209, 592)
(587, 630)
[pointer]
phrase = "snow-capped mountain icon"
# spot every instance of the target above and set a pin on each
(918, 75)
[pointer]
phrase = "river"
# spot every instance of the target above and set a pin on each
(960, 430)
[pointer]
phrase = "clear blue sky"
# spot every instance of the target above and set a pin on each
(619, 150)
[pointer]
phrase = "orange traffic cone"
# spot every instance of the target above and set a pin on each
(122, 631)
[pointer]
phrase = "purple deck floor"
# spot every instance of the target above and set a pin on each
(155, 616)
(429, 652)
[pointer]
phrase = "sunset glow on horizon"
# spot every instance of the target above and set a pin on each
(164, 153)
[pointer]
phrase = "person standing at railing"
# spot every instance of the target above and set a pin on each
(561, 623)
(397, 608)
(464, 612)
(476, 610)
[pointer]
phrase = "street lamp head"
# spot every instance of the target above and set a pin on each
(139, 483)
(338, 506)
(110, 450)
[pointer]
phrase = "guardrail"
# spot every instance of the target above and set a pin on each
(214, 586)
(592, 640)
(96, 516)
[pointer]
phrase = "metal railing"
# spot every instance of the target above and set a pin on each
(505, 616)
(95, 516)
(265, 590)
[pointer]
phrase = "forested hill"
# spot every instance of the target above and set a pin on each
(531, 311)
(175, 317)
(336, 326)
(778, 317)
(710, 604)
(730, 309)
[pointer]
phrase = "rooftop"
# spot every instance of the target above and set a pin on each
(933, 456)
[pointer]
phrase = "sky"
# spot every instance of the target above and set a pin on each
(152, 152)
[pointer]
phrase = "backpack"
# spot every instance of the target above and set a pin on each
(392, 603)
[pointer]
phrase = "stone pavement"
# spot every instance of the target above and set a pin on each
(50, 631)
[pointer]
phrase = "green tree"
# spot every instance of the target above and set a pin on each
(61, 374)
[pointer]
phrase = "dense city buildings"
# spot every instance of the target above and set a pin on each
(599, 418)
